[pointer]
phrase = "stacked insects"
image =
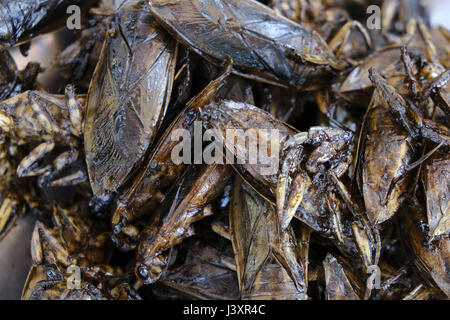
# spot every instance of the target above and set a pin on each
(358, 207)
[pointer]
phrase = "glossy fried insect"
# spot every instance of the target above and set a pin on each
(128, 96)
(278, 175)
(341, 284)
(152, 181)
(400, 131)
(432, 259)
(407, 116)
(34, 125)
(203, 275)
(435, 177)
(22, 20)
(388, 149)
(189, 205)
(267, 47)
(76, 240)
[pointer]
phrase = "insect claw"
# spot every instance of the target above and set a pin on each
(75, 111)
(10, 209)
(341, 38)
(6, 122)
(42, 116)
(69, 180)
(291, 187)
(27, 167)
(221, 229)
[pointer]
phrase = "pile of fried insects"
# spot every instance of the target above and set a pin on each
(354, 109)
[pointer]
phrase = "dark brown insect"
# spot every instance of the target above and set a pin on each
(152, 181)
(285, 182)
(47, 120)
(75, 240)
(39, 124)
(269, 48)
(341, 283)
(128, 97)
(388, 149)
(22, 20)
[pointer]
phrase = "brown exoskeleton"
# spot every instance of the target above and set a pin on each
(393, 126)
(76, 239)
(154, 179)
(267, 258)
(408, 115)
(432, 259)
(305, 184)
(341, 283)
(203, 274)
(388, 150)
(436, 181)
(427, 59)
(285, 178)
(128, 96)
(50, 121)
(190, 203)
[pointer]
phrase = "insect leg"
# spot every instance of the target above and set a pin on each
(62, 164)
(410, 120)
(44, 238)
(291, 186)
(6, 122)
(28, 166)
(75, 111)
(10, 209)
(339, 41)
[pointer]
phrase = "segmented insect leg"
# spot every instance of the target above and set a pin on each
(75, 111)
(339, 41)
(9, 211)
(28, 166)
